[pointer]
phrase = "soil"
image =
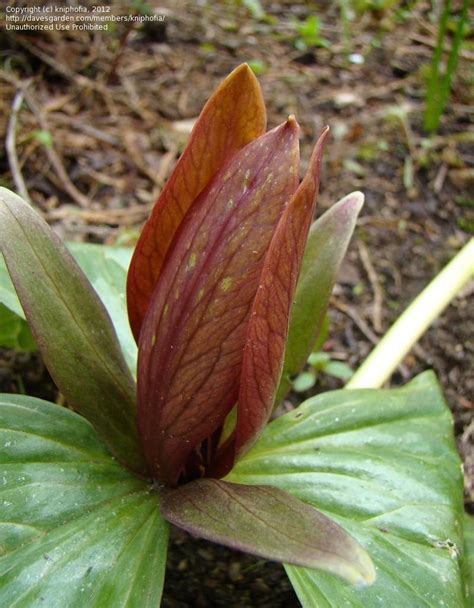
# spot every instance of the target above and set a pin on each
(106, 115)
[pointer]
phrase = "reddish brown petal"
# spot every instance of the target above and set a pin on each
(233, 116)
(193, 335)
(268, 327)
(327, 243)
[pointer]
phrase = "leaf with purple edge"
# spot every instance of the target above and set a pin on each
(267, 522)
(71, 327)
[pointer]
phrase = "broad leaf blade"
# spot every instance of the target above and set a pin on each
(384, 465)
(71, 327)
(76, 529)
(233, 116)
(266, 522)
(326, 246)
(268, 326)
(193, 336)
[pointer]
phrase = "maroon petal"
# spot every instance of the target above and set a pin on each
(267, 330)
(193, 335)
(233, 116)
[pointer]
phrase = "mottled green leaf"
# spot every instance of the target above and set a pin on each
(383, 464)
(327, 243)
(76, 529)
(71, 327)
(267, 522)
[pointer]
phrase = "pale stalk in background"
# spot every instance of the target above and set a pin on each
(407, 329)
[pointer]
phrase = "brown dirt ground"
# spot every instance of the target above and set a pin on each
(118, 106)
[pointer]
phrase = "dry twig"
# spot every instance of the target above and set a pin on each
(88, 129)
(364, 328)
(358, 320)
(123, 217)
(375, 284)
(10, 144)
(440, 177)
(69, 187)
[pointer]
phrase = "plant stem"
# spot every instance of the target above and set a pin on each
(452, 59)
(439, 86)
(407, 329)
(345, 10)
(432, 94)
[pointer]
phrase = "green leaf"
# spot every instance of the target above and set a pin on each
(255, 7)
(319, 360)
(76, 529)
(14, 331)
(304, 381)
(327, 243)
(384, 465)
(267, 522)
(106, 268)
(309, 30)
(322, 334)
(43, 137)
(8, 295)
(338, 369)
(469, 558)
(71, 327)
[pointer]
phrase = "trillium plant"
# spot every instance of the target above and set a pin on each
(358, 492)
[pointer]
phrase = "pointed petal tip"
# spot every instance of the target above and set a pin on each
(243, 71)
(354, 564)
(354, 200)
(316, 159)
(289, 129)
(292, 124)
(323, 135)
(244, 67)
(316, 156)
